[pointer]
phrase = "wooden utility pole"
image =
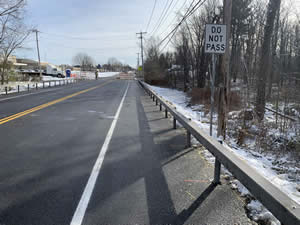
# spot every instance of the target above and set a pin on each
(142, 52)
(38, 50)
(224, 86)
(138, 60)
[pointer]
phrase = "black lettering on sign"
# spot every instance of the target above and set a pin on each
(208, 46)
(211, 38)
(223, 47)
(213, 47)
(216, 30)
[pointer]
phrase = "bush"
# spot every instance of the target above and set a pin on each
(202, 96)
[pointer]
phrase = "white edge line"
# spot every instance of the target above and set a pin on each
(85, 198)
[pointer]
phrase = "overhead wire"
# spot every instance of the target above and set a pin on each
(151, 15)
(175, 17)
(80, 38)
(162, 13)
(162, 19)
(188, 13)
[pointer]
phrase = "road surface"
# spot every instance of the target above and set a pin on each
(100, 152)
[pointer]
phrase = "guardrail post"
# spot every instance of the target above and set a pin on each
(156, 102)
(174, 123)
(5, 90)
(166, 113)
(188, 139)
(153, 97)
(43, 84)
(160, 108)
(27, 87)
(36, 86)
(18, 88)
(217, 172)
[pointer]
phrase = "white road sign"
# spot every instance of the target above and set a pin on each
(215, 38)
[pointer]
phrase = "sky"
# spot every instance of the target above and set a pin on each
(100, 28)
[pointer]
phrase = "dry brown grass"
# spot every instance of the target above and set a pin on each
(202, 96)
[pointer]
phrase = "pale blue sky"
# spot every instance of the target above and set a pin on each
(99, 28)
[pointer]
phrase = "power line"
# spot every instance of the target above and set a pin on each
(151, 15)
(188, 13)
(162, 13)
(183, 18)
(80, 38)
(170, 24)
(162, 19)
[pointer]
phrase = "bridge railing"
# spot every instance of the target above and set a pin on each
(285, 209)
(38, 85)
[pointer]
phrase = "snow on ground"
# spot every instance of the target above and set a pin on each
(91, 75)
(12, 87)
(263, 163)
(108, 74)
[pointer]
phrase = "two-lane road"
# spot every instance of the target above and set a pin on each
(101, 152)
(47, 155)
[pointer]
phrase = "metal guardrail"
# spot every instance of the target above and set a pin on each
(285, 209)
(60, 83)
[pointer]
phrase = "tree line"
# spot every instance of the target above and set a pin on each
(13, 32)
(87, 63)
(264, 50)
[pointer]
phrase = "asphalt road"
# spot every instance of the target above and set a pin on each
(103, 154)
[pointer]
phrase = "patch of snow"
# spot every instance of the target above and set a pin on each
(259, 213)
(91, 75)
(23, 85)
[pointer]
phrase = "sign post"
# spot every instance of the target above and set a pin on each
(215, 43)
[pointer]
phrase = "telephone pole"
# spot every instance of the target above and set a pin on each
(142, 52)
(38, 50)
(138, 60)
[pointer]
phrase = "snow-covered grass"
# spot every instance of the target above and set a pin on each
(264, 163)
(12, 87)
(108, 74)
(91, 75)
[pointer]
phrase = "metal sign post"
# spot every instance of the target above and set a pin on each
(212, 87)
(215, 43)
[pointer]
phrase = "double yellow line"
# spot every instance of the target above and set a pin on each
(18, 115)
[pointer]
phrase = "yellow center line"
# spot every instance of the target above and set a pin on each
(28, 111)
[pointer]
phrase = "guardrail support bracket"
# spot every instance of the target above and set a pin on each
(174, 123)
(217, 172)
(166, 113)
(188, 139)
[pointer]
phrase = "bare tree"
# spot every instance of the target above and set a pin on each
(114, 64)
(11, 7)
(13, 32)
(273, 7)
(85, 61)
